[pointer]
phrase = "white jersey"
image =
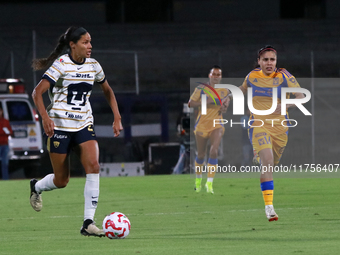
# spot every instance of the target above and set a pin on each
(71, 86)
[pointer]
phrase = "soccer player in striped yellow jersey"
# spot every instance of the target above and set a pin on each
(206, 130)
(68, 121)
(268, 137)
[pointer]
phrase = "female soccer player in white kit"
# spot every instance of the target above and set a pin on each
(68, 120)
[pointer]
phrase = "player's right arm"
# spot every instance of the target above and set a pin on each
(51, 76)
(111, 99)
(194, 104)
(37, 93)
(195, 99)
(244, 86)
(244, 90)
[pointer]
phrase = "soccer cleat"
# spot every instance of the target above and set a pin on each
(90, 229)
(209, 187)
(270, 213)
(198, 184)
(35, 197)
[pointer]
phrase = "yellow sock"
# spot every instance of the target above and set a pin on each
(268, 196)
(268, 192)
(211, 170)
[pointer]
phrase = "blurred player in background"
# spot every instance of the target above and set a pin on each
(269, 140)
(5, 132)
(204, 127)
(183, 132)
(68, 121)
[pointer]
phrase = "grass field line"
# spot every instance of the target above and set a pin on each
(152, 214)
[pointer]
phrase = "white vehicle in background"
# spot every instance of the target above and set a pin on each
(26, 146)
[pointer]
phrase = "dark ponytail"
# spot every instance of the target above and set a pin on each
(72, 34)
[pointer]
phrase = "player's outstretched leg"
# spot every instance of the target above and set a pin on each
(198, 183)
(35, 197)
(199, 164)
(90, 229)
(212, 167)
(91, 195)
(268, 193)
(37, 187)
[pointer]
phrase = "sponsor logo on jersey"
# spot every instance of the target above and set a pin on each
(83, 75)
(260, 91)
(56, 136)
(260, 134)
(73, 116)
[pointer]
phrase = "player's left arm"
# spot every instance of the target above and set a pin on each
(297, 95)
(292, 83)
(111, 99)
(226, 102)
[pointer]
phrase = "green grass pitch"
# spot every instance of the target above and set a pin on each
(168, 217)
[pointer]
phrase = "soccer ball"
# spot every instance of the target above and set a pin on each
(116, 225)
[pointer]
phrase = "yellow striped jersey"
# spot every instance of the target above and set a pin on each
(262, 96)
(206, 122)
(71, 86)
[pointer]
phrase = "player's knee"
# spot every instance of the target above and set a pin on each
(93, 167)
(267, 160)
(213, 152)
(61, 183)
(201, 155)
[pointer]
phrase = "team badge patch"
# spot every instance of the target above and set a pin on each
(292, 80)
(276, 81)
(56, 144)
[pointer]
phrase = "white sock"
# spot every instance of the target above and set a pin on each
(198, 175)
(210, 179)
(45, 184)
(91, 194)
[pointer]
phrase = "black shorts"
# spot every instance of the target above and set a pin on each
(62, 141)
